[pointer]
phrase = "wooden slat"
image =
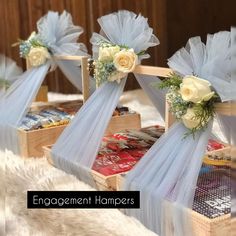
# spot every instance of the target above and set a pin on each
(153, 70)
(226, 108)
(12, 28)
(169, 118)
(85, 78)
(42, 96)
(84, 72)
(164, 16)
(69, 58)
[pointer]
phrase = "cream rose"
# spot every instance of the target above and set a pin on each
(125, 60)
(108, 53)
(189, 119)
(194, 89)
(38, 56)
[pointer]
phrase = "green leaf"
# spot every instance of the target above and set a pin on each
(173, 81)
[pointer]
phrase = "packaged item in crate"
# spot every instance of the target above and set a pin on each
(56, 116)
(214, 145)
(33, 121)
(121, 151)
(114, 163)
(44, 119)
(212, 196)
(154, 131)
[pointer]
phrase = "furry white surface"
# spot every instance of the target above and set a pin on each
(36, 174)
(18, 175)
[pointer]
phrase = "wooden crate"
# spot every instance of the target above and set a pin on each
(31, 142)
(204, 226)
(227, 150)
(103, 183)
(201, 225)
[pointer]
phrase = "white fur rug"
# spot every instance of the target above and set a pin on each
(36, 174)
(18, 175)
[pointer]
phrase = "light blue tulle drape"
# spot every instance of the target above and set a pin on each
(60, 36)
(8, 73)
(167, 175)
(77, 147)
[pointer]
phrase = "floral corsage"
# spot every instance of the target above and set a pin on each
(34, 50)
(191, 100)
(114, 62)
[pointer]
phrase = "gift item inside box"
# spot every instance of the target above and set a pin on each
(45, 122)
(120, 151)
(210, 213)
(55, 114)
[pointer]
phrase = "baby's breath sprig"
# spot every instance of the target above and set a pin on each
(102, 70)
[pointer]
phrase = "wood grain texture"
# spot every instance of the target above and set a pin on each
(173, 21)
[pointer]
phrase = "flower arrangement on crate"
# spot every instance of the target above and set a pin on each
(35, 50)
(191, 100)
(114, 62)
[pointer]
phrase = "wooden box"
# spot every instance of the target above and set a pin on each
(103, 183)
(31, 142)
(202, 225)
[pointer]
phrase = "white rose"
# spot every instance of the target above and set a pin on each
(116, 76)
(38, 56)
(194, 89)
(190, 120)
(125, 61)
(108, 53)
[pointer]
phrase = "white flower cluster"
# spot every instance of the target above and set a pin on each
(191, 100)
(34, 50)
(196, 91)
(114, 63)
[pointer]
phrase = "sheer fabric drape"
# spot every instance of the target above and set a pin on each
(60, 36)
(167, 175)
(77, 147)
